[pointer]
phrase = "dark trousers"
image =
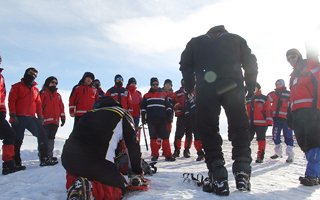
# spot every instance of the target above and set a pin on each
(158, 129)
(184, 127)
(7, 134)
(208, 107)
(306, 127)
(260, 131)
(51, 130)
(35, 127)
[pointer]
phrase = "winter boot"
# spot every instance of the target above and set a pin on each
(154, 158)
(242, 181)
(176, 153)
(9, 167)
(260, 157)
(170, 159)
(200, 156)
(186, 153)
(278, 152)
(80, 190)
(309, 181)
(290, 154)
(47, 161)
(217, 181)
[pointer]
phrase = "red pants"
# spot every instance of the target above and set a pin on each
(100, 191)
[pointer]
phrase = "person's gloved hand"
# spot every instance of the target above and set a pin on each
(143, 119)
(2, 115)
(14, 119)
(63, 121)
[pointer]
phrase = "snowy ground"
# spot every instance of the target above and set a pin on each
(273, 179)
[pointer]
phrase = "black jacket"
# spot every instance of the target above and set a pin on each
(225, 56)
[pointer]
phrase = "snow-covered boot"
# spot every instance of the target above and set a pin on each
(219, 186)
(309, 181)
(9, 167)
(277, 152)
(47, 161)
(290, 154)
(80, 190)
(242, 181)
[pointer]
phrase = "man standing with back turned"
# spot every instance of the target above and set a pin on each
(213, 62)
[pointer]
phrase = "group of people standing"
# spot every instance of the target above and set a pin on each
(107, 124)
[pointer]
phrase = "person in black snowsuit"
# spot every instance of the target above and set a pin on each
(214, 61)
(89, 151)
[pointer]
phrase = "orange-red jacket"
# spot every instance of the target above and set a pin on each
(279, 100)
(52, 107)
(259, 110)
(82, 99)
(121, 95)
(136, 100)
(2, 93)
(179, 107)
(304, 87)
(24, 100)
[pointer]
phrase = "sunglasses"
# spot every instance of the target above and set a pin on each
(119, 80)
(155, 84)
(54, 82)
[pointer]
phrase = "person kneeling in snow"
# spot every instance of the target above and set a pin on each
(89, 152)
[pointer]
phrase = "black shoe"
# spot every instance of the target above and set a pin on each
(154, 158)
(186, 153)
(176, 153)
(309, 181)
(259, 160)
(275, 156)
(243, 181)
(170, 159)
(9, 167)
(80, 190)
(20, 167)
(200, 157)
(47, 161)
(289, 160)
(219, 187)
(54, 158)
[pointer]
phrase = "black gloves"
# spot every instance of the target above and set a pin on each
(14, 119)
(249, 91)
(2, 115)
(63, 121)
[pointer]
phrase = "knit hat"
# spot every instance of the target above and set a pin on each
(154, 79)
(118, 77)
(168, 81)
(293, 52)
(132, 80)
(88, 74)
(280, 82)
(258, 86)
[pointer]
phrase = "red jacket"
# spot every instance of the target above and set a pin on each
(279, 100)
(302, 88)
(259, 110)
(25, 101)
(121, 95)
(2, 93)
(136, 100)
(180, 99)
(52, 107)
(82, 99)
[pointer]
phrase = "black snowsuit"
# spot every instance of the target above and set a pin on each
(215, 65)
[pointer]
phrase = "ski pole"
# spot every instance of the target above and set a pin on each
(145, 137)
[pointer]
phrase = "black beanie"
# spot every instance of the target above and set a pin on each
(168, 81)
(217, 29)
(132, 80)
(154, 79)
(88, 74)
(118, 76)
(30, 68)
(258, 86)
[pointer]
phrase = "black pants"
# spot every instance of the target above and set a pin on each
(260, 131)
(208, 108)
(306, 127)
(184, 127)
(6, 132)
(51, 130)
(158, 129)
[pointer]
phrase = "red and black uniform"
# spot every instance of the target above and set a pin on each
(53, 111)
(156, 110)
(6, 132)
(136, 97)
(305, 104)
(90, 150)
(24, 103)
(183, 126)
(121, 95)
(260, 117)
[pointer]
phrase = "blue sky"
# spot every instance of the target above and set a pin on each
(143, 38)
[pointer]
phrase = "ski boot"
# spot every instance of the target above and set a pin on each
(218, 186)
(242, 181)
